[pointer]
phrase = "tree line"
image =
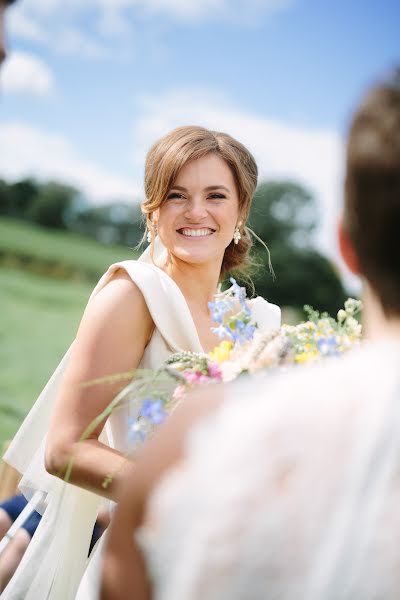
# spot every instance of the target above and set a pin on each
(283, 215)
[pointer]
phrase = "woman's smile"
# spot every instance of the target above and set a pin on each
(196, 232)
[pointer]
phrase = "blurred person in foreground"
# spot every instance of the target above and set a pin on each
(287, 487)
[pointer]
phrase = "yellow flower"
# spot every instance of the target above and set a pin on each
(222, 352)
(305, 357)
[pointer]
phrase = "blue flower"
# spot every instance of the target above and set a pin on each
(223, 331)
(153, 409)
(246, 334)
(219, 308)
(328, 346)
(135, 433)
(246, 309)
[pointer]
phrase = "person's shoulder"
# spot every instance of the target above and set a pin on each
(119, 292)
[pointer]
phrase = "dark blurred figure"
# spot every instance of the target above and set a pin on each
(4, 4)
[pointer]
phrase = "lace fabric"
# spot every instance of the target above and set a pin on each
(290, 491)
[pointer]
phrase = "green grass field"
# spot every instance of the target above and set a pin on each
(57, 253)
(38, 321)
(45, 280)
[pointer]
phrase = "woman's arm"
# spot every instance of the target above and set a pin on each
(124, 571)
(111, 339)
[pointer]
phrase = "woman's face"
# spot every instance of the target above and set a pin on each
(197, 220)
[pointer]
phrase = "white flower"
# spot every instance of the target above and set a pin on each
(352, 306)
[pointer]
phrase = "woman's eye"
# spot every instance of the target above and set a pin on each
(175, 196)
(217, 196)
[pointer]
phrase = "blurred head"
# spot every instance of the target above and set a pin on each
(371, 225)
(3, 6)
(199, 185)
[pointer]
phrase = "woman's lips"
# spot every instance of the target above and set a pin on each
(196, 233)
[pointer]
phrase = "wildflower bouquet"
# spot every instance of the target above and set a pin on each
(244, 348)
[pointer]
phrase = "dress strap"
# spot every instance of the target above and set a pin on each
(165, 301)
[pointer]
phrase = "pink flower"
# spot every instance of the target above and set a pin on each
(214, 371)
(196, 377)
(192, 377)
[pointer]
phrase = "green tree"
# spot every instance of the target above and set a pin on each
(284, 215)
(5, 198)
(117, 223)
(16, 199)
(52, 205)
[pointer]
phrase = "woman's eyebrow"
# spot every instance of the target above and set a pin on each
(179, 187)
(207, 189)
(216, 187)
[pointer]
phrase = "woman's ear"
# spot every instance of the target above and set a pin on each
(347, 249)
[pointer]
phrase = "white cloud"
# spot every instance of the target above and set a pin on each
(232, 10)
(27, 151)
(312, 157)
(24, 26)
(56, 27)
(47, 21)
(74, 42)
(26, 74)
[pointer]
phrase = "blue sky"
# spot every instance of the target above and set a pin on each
(90, 84)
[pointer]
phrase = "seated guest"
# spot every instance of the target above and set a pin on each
(287, 487)
(11, 556)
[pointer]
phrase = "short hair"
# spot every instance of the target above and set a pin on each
(372, 190)
(170, 153)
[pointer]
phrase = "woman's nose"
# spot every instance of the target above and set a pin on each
(196, 210)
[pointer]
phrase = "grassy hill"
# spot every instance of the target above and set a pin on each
(45, 280)
(56, 253)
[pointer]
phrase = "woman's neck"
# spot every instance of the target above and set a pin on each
(376, 324)
(198, 283)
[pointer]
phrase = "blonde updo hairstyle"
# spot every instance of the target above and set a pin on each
(170, 153)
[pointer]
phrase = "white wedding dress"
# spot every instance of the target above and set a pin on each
(290, 491)
(55, 564)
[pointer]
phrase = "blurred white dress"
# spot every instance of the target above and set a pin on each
(56, 559)
(290, 491)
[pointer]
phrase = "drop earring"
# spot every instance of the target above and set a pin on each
(236, 235)
(151, 231)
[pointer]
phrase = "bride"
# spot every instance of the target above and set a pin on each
(290, 488)
(199, 186)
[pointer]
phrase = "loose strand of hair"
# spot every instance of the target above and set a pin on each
(271, 268)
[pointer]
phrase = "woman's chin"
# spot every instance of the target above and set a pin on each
(196, 256)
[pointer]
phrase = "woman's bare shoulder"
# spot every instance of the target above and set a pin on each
(118, 306)
(122, 293)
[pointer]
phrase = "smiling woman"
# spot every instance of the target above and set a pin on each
(205, 179)
(199, 185)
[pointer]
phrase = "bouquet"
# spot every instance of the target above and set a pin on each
(244, 348)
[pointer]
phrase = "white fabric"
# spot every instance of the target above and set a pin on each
(53, 565)
(291, 490)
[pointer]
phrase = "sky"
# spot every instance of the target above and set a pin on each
(90, 85)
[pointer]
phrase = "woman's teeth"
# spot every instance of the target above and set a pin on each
(196, 232)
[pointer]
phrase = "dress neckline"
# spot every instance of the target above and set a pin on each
(180, 293)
